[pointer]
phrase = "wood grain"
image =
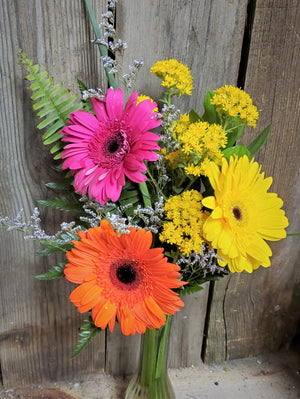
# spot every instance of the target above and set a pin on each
(259, 312)
(39, 327)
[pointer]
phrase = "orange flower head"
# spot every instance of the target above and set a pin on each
(121, 277)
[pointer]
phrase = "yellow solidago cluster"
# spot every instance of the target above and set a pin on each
(181, 126)
(200, 143)
(174, 74)
(142, 97)
(185, 219)
(236, 103)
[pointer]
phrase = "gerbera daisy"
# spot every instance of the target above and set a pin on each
(244, 214)
(121, 277)
(112, 144)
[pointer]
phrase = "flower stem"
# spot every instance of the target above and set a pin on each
(102, 48)
(155, 350)
(145, 194)
(155, 183)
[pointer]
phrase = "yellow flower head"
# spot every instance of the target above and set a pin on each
(236, 103)
(244, 214)
(174, 74)
(185, 219)
(181, 126)
(142, 97)
(202, 142)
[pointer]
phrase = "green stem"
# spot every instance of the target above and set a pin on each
(155, 183)
(161, 365)
(145, 194)
(155, 351)
(149, 357)
(102, 48)
(232, 128)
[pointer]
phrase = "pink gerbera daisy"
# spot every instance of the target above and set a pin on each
(112, 144)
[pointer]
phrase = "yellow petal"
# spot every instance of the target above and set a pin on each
(209, 202)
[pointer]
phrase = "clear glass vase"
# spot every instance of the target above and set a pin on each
(151, 380)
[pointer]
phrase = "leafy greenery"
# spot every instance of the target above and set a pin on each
(87, 331)
(193, 116)
(66, 202)
(52, 103)
(259, 141)
(210, 114)
(56, 272)
(238, 150)
(197, 284)
(52, 247)
(130, 197)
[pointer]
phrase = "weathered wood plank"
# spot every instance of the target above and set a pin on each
(39, 327)
(258, 313)
(206, 36)
(187, 331)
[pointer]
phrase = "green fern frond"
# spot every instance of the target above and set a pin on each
(56, 272)
(66, 202)
(52, 103)
(87, 332)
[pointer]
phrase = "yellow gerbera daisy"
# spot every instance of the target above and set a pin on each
(244, 214)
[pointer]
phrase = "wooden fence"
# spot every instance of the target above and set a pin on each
(255, 44)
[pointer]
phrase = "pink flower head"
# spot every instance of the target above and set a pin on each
(112, 144)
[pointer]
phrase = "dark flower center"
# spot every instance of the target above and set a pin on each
(126, 273)
(237, 213)
(114, 144)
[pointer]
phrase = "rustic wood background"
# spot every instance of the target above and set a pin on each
(241, 315)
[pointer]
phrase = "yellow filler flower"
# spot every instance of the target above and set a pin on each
(174, 74)
(235, 102)
(184, 221)
(244, 214)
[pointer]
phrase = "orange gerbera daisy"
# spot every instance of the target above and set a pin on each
(121, 276)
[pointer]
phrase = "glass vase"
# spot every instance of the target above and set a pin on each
(151, 380)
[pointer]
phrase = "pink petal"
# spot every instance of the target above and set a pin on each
(131, 103)
(84, 118)
(99, 109)
(114, 103)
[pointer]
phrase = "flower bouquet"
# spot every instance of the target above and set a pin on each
(163, 201)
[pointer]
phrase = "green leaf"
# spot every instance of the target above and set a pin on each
(235, 133)
(67, 202)
(61, 186)
(191, 288)
(53, 129)
(210, 114)
(193, 116)
(52, 247)
(82, 86)
(56, 272)
(239, 150)
(57, 147)
(87, 332)
(259, 141)
(53, 103)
